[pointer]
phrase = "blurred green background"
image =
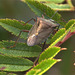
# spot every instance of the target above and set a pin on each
(16, 9)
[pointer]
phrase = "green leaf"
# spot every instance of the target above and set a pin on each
(49, 53)
(55, 1)
(70, 3)
(3, 73)
(21, 49)
(15, 63)
(69, 23)
(14, 26)
(40, 9)
(6, 73)
(57, 35)
(58, 6)
(42, 67)
(61, 38)
(12, 74)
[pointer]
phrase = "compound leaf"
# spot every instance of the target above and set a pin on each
(40, 9)
(49, 53)
(14, 26)
(21, 49)
(14, 63)
(42, 67)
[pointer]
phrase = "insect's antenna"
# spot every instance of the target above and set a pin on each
(54, 14)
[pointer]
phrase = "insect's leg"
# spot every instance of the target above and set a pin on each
(61, 18)
(43, 47)
(40, 53)
(29, 21)
(18, 38)
(36, 60)
(58, 27)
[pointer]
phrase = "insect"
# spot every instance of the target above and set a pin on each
(40, 31)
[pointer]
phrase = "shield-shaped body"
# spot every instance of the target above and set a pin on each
(40, 31)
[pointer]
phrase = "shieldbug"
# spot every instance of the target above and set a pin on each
(40, 31)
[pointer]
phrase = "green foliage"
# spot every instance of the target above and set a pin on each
(57, 35)
(15, 63)
(21, 49)
(55, 1)
(61, 39)
(49, 53)
(40, 9)
(13, 59)
(58, 4)
(58, 7)
(5, 73)
(69, 23)
(42, 67)
(14, 26)
(12, 74)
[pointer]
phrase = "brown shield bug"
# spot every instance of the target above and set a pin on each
(40, 31)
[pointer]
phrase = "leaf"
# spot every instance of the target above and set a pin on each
(40, 9)
(57, 35)
(69, 23)
(5, 73)
(42, 67)
(21, 49)
(52, 38)
(62, 37)
(12, 74)
(70, 3)
(55, 1)
(60, 7)
(14, 26)
(15, 63)
(49, 53)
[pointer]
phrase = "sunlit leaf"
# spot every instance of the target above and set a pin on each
(57, 35)
(55, 1)
(49, 53)
(59, 6)
(42, 67)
